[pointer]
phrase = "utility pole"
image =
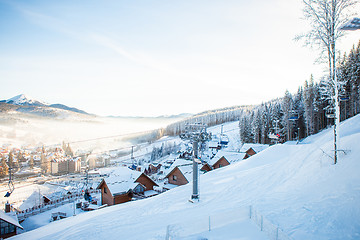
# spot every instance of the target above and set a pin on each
(132, 155)
(87, 176)
(11, 189)
(195, 133)
(10, 184)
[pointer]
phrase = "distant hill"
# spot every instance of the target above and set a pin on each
(61, 106)
(25, 104)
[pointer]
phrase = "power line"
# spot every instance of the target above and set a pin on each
(128, 147)
(115, 136)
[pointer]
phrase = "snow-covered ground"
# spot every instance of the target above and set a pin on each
(294, 186)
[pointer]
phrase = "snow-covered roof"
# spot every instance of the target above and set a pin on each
(10, 219)
(257, 147)
(170, 186)
(179, 162)
(150, 193)
(187, 170)
(121, 180)
(213, 144)
(230, 157)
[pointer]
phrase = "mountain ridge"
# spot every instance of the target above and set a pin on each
(25, 104)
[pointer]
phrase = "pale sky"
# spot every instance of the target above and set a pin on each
(150, 58)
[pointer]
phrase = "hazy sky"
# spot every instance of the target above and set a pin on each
(151, 58)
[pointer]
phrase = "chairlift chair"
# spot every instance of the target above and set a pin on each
(224, 139)
(330, 113)
(294, 115)
(294, 118)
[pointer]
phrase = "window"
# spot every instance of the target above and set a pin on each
(174, 177)
(139, 189)
(11, 228)
(105, 190)
(6, 228)
(220, 165)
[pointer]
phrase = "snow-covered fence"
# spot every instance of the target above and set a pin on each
(199, 225)
(273, 231)
(50, 205)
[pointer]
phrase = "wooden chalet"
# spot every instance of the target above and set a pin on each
(222, 159)
(124, 184)
(221, 162)
(180, 172)
(206, 167)
(252, 149)
(152, 168)
(250, 152)
(9, 225)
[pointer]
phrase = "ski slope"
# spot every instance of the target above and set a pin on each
(294, 186)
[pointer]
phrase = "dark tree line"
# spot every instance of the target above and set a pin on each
(164, 150)
(210, 118)
(307, 111)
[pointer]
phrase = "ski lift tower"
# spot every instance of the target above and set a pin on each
(294, 116)
(196, 133)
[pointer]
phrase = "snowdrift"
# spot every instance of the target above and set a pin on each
(296, 187)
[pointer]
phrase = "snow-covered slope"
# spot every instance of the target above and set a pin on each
(296, 187)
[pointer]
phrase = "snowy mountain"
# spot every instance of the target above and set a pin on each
(25, 100)
(25, 104)
(294, 191)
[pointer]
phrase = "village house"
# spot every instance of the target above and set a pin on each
(180, 173)
(152, 168)
(9, 225)
(251, 149)
(97, 161)
(124, 184)
(205, 167)
(222, 159)
(65, 165)
(221, 162)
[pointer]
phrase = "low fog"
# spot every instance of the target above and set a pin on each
(83, 133)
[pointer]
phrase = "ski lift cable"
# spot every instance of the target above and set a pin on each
(114, 136)
(99, 138)
(128, 147)
(123, 148)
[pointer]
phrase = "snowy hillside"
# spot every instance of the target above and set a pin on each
(295, 187)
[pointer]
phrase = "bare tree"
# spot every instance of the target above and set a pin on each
(326, 18)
